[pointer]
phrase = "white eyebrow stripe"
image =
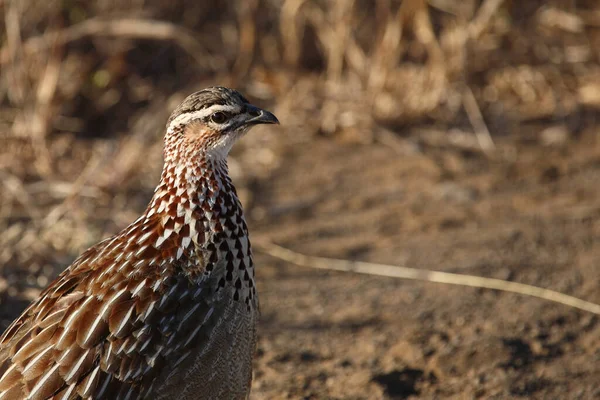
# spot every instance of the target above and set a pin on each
(201, 114)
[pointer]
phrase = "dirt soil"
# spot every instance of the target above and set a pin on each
(530, 216)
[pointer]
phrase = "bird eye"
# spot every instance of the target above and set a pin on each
(218, 117)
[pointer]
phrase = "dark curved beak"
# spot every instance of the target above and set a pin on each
(260, 116)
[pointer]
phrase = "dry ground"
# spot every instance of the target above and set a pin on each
(532, 218)
(384, 155)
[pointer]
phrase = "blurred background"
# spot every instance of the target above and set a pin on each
(454, 135)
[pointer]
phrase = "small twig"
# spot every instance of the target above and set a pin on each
(290, 18)
(476, 118)
(482, 18)
(41, 118)
(12, 48)
(337, 41)
(386, 52)
(13, 30)
(424, 275)
(246, 39)
(126, 27)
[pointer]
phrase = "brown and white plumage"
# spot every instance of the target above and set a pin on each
(165, 309)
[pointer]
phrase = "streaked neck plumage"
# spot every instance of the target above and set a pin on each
(192, 187)
(199, 220)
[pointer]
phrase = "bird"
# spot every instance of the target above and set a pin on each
(167, 308)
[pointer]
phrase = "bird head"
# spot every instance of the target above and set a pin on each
(208, 123)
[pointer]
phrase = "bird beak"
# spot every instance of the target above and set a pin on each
(260, 116)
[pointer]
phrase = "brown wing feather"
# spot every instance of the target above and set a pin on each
(102, 329)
